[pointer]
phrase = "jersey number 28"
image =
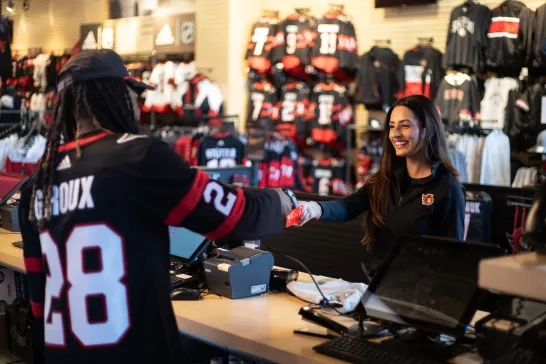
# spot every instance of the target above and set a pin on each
(80, 284)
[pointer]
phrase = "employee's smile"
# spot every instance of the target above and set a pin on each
(400, 144)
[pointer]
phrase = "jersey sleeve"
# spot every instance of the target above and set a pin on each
(179, 195)
(348, 208)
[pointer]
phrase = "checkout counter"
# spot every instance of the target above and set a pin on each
(260, 327)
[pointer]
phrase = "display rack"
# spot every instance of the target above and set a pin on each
(358, 128)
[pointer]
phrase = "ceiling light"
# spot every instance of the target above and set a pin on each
(10, 6)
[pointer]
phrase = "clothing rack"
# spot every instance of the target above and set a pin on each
(348, 141)
(519, 201)
(205, 69)
(425, 41)
(137, 58)
(467, 129)
(228, 123)
(10, 129)
(58, 52)
(28, 52)
(173, 57)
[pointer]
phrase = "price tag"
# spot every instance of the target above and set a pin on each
(294, 216)
(543, 111)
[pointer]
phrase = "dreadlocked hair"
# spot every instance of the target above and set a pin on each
(107, 102)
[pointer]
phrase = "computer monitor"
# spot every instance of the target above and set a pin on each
(10, 183)
(185, 245)
(428, 283)
(226, 175)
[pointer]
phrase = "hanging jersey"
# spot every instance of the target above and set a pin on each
(279, 166)
(182, 147)
(495, 99)
(221, 151)
(478, 217)
(262, 104)
(327, 177)
(98, 273)
(26, 155)
(335, 47)
(305, 164)
(294, 42)
(518, 210)
(162, 77)
(293, 106)
(202, 102)
(329, 113)
(458, 99)
(258, 53)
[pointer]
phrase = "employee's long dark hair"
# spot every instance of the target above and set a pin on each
(433, 144)
(104, 101)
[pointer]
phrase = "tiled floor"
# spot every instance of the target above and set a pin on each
(5, 359)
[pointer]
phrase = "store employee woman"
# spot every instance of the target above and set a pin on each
(416, 191)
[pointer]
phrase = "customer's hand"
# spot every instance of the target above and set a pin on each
(311, 211)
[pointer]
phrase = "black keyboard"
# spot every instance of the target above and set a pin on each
(176, 282)
(175, 266)
(358, 350)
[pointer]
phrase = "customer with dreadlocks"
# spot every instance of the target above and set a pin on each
(95, 220)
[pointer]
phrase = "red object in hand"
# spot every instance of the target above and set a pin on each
(294, 216)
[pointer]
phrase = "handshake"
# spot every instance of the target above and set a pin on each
(309, 209)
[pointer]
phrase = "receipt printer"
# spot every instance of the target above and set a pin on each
(238, 273)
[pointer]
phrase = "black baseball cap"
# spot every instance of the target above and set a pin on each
(95, 64)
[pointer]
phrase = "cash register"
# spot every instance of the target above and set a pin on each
(427, 284)
(187, 250)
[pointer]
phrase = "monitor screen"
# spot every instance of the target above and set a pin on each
(429, 281)
(184, 242)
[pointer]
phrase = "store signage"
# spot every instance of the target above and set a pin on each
(107, 38)
(165, 36)
(141, 35)
(89, 36)
(175, 34)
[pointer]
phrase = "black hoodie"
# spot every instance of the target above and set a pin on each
(434, 206)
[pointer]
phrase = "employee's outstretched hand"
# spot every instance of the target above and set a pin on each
(311, 211)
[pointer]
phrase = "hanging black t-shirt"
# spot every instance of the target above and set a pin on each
(221, 151)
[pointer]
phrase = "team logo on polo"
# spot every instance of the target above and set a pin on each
(427, 199)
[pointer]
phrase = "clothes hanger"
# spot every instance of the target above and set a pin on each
(426, 41)
(382, 42)
(303, 11)
(336, 8)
